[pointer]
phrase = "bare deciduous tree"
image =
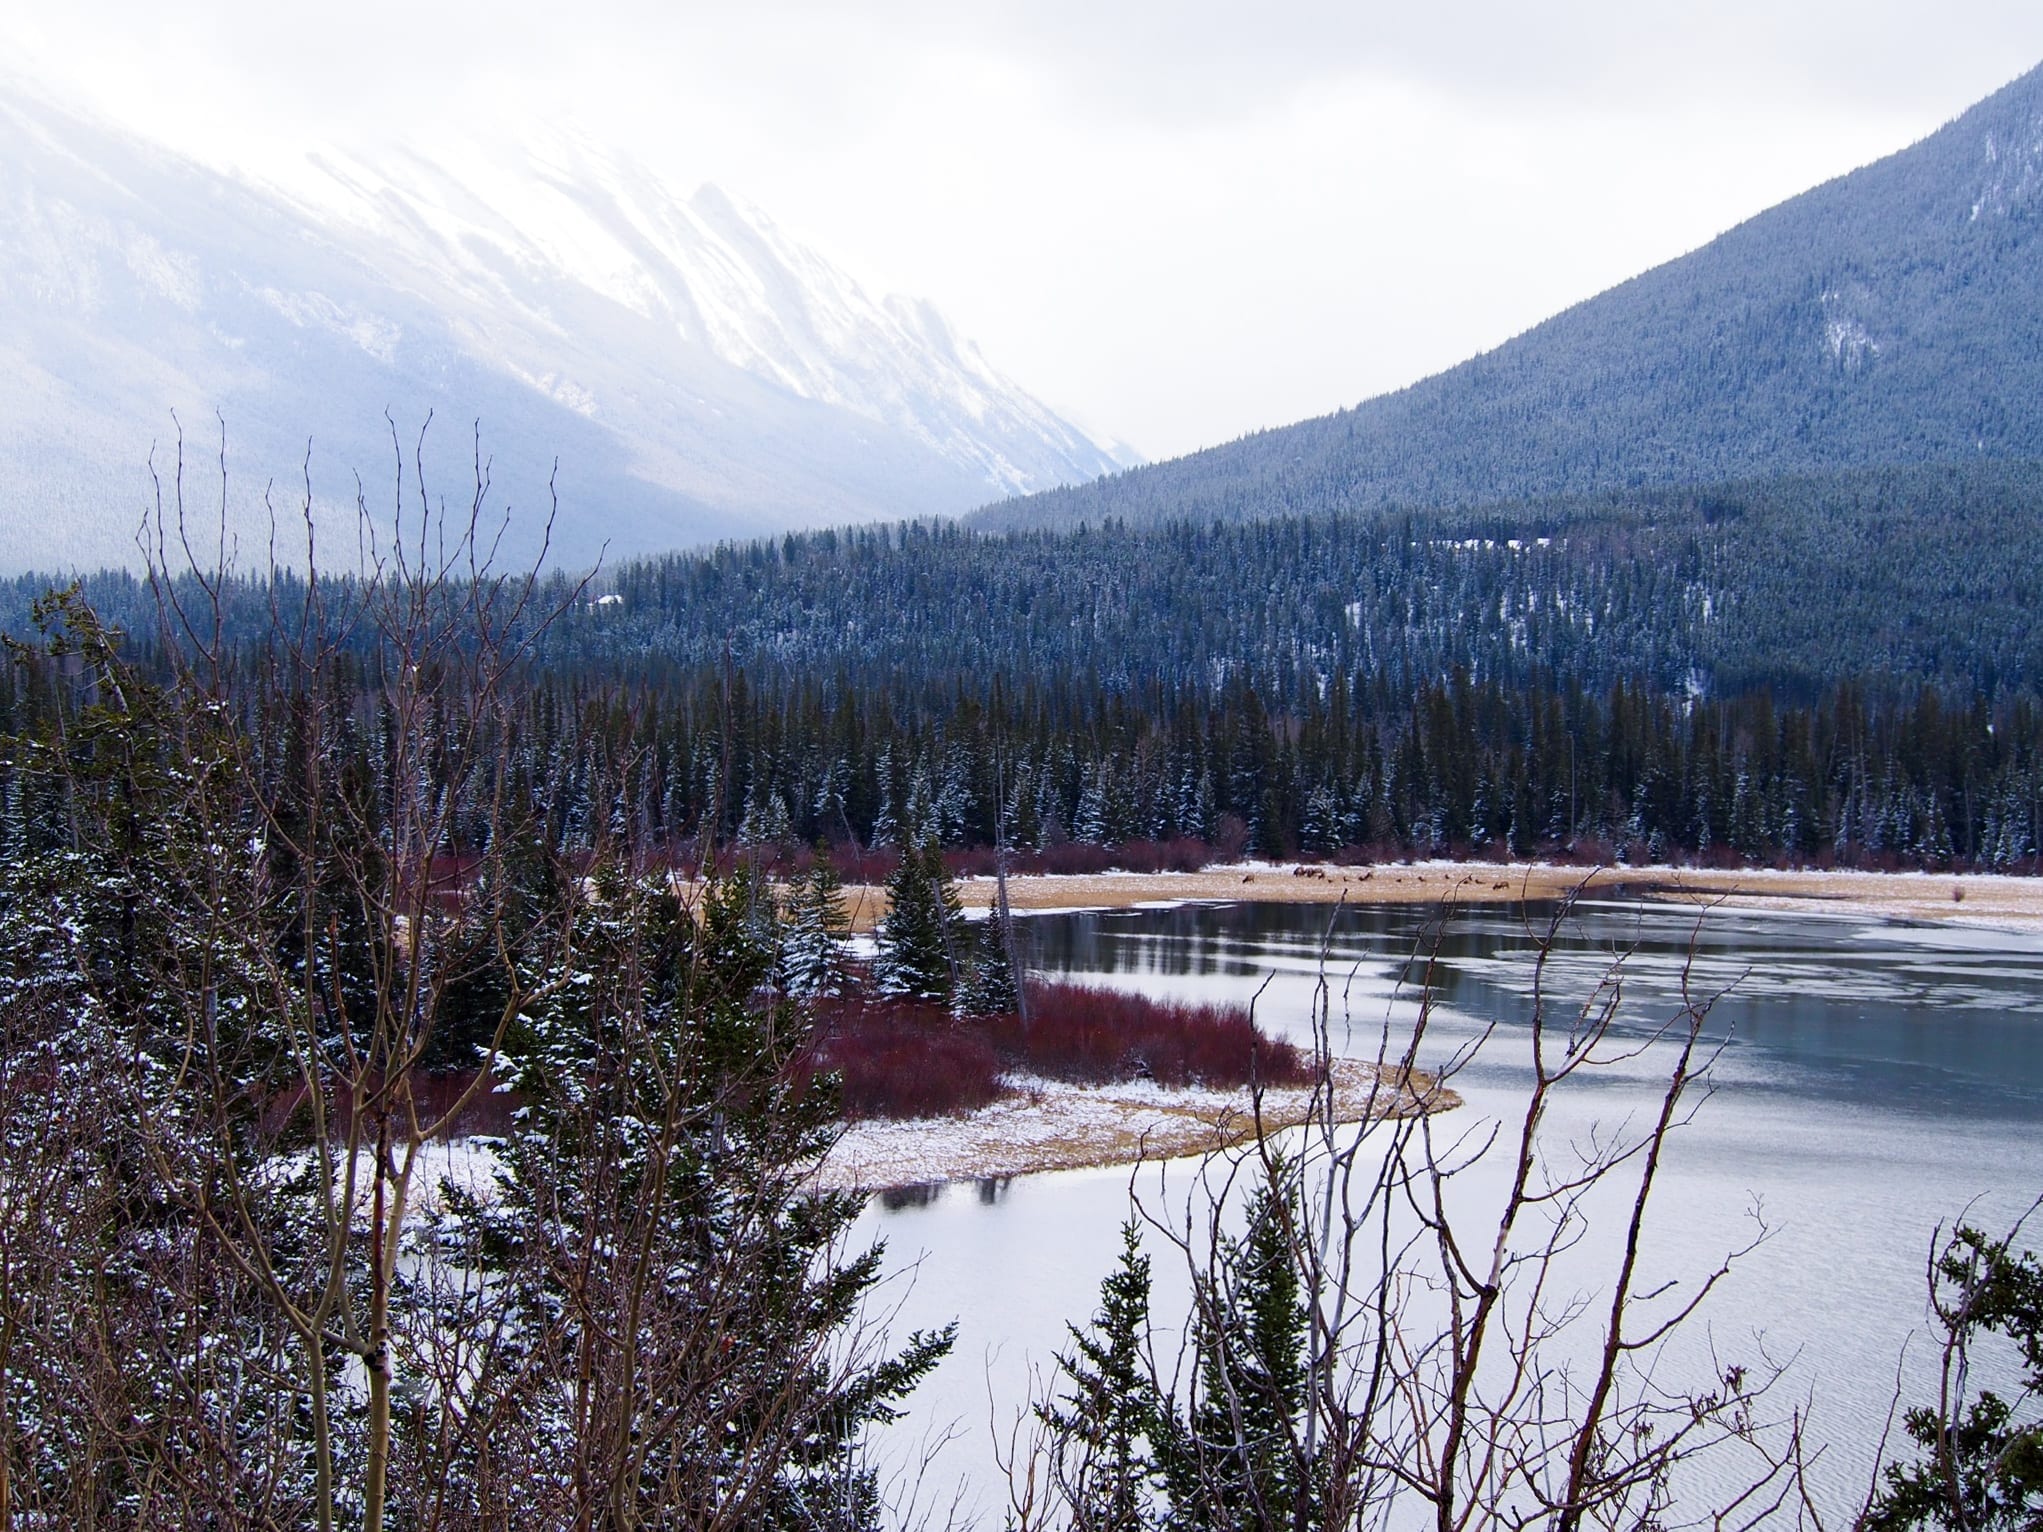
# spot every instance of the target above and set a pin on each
(1428, 1318)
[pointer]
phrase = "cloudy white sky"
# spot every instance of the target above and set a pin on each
(1178, 220)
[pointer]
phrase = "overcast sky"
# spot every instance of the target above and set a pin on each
(1177, 220)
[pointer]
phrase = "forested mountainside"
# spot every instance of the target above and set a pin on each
(1898, 576)
(1838, 666)
(1894, 315)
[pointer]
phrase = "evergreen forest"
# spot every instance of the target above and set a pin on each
(1840, 669)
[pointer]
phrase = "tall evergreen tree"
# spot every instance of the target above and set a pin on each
(920, 937)
(1104, 1424)
(672, 1293)
(990, 987)
(811, 944)
(1232, 1460)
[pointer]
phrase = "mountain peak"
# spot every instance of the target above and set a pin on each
(698, 372)
(724, 277)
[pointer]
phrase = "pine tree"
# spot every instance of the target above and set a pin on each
(698, 1374)
(1982, 1454)
(990, 988)
(918, 940)
(1089, 820)
(741, 921)
(1321, 830)
(1232, 1461)
(811, 952)
(886, 828)
(1103, 1426)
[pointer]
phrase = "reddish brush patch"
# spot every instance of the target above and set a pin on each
(896, 1060)
(1079, 858)
(1080, 1032)
(902, 1060)
(488, 1112)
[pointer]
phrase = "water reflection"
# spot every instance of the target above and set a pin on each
(1851, 1010)
(988, 1191)
(1878, 1078)
(899, 1199)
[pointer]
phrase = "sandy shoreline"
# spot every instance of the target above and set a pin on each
(1988, 900)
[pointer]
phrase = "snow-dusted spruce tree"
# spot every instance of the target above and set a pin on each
(920, 937)
(115, 998)
(1228, 1458)
(1125, 1454)
(1980, 1467)
(275, 956)
(748, 918)
(811, 944)
(111, 1396)
(989, 987)
(1104, 1424)
(679, 1306)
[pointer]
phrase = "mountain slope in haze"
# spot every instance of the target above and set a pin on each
(696, 373)
(1891, 316)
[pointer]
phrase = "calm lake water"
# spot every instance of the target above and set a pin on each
(1877, 1079)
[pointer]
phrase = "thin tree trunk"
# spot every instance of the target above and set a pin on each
(322, 1432)
(6, 1431)
(1005, 916)
(376, 1362)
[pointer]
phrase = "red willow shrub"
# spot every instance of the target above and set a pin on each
(1081, 1032)
(1069, 858)
(899, 1060)
(896, 1060)
(489, 1112)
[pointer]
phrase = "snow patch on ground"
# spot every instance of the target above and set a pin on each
(1038, 1125)
(1055, 1125)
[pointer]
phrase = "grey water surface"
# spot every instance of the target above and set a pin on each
(1877, 1079)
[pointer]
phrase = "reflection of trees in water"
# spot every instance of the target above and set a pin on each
(990, 1190)
(1851, 1019)
(899, 1199)
(1231, 939)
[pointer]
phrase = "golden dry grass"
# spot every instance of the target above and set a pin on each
(1975, 899)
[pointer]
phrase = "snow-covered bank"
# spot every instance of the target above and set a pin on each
(1054, 1125)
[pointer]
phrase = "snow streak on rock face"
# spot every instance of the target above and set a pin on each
(696, 372)
(2014, 170)
(1846, 338)
(709, 271)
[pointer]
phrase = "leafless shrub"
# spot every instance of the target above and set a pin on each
(1437, 1319)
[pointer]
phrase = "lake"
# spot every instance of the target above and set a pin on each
(1876, 1079)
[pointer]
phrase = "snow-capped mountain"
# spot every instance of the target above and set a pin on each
(695, 371)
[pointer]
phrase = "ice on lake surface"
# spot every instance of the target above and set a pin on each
(1879, 1079)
